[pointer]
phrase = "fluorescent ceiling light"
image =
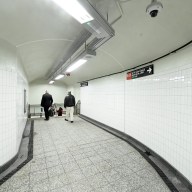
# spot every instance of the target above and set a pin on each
(76, 65)
(75, 9)
(51, 82)
(59, 77)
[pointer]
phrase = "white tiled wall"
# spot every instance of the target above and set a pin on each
(103, 100)
(156, 110)
(12, 117)
(37, 89)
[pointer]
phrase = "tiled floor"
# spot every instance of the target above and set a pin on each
(79, 157)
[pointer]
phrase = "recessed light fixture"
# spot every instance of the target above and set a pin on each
(59, 76)
(75, 9)
(76, 65)
(51, 82)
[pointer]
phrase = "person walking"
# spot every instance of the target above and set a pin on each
(69, 103)
(46, 102)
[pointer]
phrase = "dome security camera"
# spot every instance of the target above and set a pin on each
(154, 8)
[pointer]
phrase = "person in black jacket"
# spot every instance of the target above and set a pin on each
(69, 103)
(46, 102)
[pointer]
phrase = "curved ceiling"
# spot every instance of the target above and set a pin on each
(43, 32)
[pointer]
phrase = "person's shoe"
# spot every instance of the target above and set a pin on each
(66, 119)
(71, 121)
(46, 119)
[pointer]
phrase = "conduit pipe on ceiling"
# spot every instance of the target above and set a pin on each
(99, 27)
(78, 42)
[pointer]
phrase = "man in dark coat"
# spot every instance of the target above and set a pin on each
(46, 102)
(69, 103)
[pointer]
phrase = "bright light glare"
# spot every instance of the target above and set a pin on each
(51, 82)
(59, 77)
(76, 65)
(75, 9)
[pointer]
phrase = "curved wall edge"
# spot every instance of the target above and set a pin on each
(13, 100)
(154, 109)
(171, 176)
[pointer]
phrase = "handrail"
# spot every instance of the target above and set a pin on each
(37, 110)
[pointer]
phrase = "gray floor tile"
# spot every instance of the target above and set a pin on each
(126, 158)
(75, 148)
(136, 166)
(78, 152)
(37, 161)
(50, 164)
(5, 186)
(66, 188)
(51, 153)
(36, 166)
(79, 156)
(84, 158)
(49, 149)
(64, 178)
(107, 155)
(61, 150)
(17, 182)
(55, 171)
(39, 156)
(82, 186)
(66, 158)
(24, 188)
(90, 170)
(25, 170)
(148, 174)
(52, 158)
(103, 166)
(42, 186)
(84, 162)
(115, 162)
(38, 152)
(97, 181)
(87, 149)
(68, 167)
(123, 170)
(111, 175)
(75, 175)
(107, 188)
(55, 182)
(153, 186)
(128, 183)
(120, 185)
(38, 176)
(90, 153)
(96, 159)
(135, 155)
